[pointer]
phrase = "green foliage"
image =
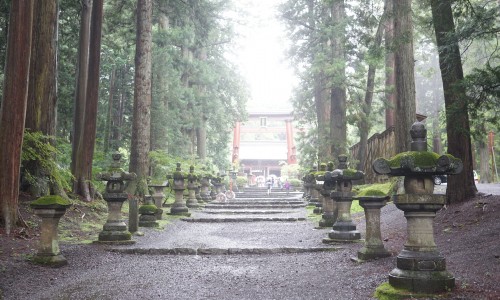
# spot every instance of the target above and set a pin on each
(296, 183)
(241, 181)
(38, 148)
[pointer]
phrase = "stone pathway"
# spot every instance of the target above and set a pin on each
(252, 223)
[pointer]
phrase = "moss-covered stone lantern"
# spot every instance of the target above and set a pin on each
(192, 184)
(343, 230)
(218, 183)
(115, 229)
(205, 186)
(50, 209)
(178, 185)
(420, 266)
(308, 181)
(158, 198)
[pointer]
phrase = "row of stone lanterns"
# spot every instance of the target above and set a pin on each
(420, 266)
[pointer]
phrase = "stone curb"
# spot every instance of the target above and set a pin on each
(221, 251)
(241, 212)
(237, 206)
(222, 220)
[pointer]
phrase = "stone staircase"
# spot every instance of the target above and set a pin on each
(252, 223)
(252, 205)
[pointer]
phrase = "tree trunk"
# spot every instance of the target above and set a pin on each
(405, 111)
(139, 161)
(201, 138)
(78, 168)
(42, 94)
(13, 110)
(109, 118)
(460, 187)
(484, 163)
(338, 122)
(364, 124)
(390, 80)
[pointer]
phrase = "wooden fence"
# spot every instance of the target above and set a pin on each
(379, 145)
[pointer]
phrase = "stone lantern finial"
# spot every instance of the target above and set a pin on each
(419, 137)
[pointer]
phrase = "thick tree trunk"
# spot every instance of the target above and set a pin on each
(364, 124)
(13, 110)
(323, 111)
(390, 79)
(484, 163)
(41, 111)
(460, 187)
(201, 138)
(405, 111)
(338, 121)
(141, 128)
(78, 168)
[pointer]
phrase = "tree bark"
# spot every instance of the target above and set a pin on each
(109, 117)
(364, 124)
(78, 168)
(13, 110)
(390, 79)
(338, 121)
(405, 110)
(141, 128)
(41, 110)
(460, 187)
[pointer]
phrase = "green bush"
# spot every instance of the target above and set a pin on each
(296, 183)
(241, 181)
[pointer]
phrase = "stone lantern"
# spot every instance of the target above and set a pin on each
(318, 188)
(192, 184)
(218, 183)
(308, 181)
(420, 266)
(179, 206)
(329, 206)
(205, 186)
(115, 229)
(344, 230)
(158, 197)
(50, 209)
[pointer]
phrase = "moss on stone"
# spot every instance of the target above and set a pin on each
(385, 291)
(51, 200)
(423, 159)
(371, 192)
(147, 209)
(349, 172)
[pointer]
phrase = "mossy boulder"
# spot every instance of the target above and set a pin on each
(371, 193)
(147, 209)
(50, 201)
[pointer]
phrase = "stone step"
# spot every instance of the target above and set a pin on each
(243, 212)
(243, 219)
(222, 251)
(253, 206)
(256, 202)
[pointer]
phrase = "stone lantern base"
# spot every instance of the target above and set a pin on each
(344, 230)
(420, 267)
(115, 230)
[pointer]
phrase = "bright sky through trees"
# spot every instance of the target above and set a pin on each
(260, 54)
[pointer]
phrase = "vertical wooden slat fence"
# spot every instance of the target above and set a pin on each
(379, 145)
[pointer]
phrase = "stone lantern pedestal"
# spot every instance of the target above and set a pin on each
(374, 247)
(329, 209)
(420, 266)
(50, 209)
(115, 230)
(205, 189)
(318, 188)
(344, 230)
(179, 206)
(158, 197)
(192, 184)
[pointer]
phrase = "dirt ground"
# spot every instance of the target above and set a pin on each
(467, 234)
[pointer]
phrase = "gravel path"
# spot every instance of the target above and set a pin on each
(466, 235)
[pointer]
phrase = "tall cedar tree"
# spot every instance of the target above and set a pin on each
(390, 95)
(338, 97)
(460, 187)
(139, 160)
(405, 110)
(13, 110)
(42, 94)
(85, 113)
